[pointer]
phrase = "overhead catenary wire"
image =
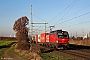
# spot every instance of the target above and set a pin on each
(75, 13)
(78, 24)
(69, 19)
(79, 10)
(38, 17)
(37, 29)
(74, 18)
(66, 26)
(41, 22)
(63, 11)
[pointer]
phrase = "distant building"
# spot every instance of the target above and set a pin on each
(85, 37)
(10, 36)
(14, 35)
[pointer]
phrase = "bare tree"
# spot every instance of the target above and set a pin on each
(20, 27)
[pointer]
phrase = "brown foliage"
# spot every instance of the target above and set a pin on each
(21, 32)
(22, 45)
(20, 24)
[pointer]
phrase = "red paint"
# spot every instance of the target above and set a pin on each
(57, 37)
(52, 38)
(43, 37)
(47, 38)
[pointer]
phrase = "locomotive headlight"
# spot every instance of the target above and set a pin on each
(56, 41)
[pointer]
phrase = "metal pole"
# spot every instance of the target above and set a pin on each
(31, 22)
(31, 28)
(45, 27)
(41, 23)
(83, 32)
(71, 35)
(76, 34)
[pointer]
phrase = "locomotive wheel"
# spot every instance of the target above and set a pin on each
(52, 46)
(64, 47)
(56, 46)
(47, 45)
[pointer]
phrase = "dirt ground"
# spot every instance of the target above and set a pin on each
(10, 56)
(14, 54)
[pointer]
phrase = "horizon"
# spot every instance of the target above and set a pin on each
(72, 15)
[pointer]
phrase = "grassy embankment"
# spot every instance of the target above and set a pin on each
(4, 45)
(53, 56)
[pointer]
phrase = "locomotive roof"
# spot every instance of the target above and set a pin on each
(57, 31)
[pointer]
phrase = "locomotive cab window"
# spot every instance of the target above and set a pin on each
(62, 35)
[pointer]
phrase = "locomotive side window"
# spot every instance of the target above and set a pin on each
(62, 34)
(65, 33)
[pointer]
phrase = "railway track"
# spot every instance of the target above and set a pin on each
(86, 50)
(83, 51)
(76, 54)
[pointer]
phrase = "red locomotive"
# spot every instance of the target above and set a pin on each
(54, 39)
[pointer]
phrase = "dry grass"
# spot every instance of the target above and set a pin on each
(30, 55)
(80, 42)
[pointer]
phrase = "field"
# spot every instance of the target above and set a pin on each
(80, 42)
(7, 51)
(4, 44)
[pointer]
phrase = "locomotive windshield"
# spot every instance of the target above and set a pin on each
(62, 34)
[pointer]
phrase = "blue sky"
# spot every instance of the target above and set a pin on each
(72, 15)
